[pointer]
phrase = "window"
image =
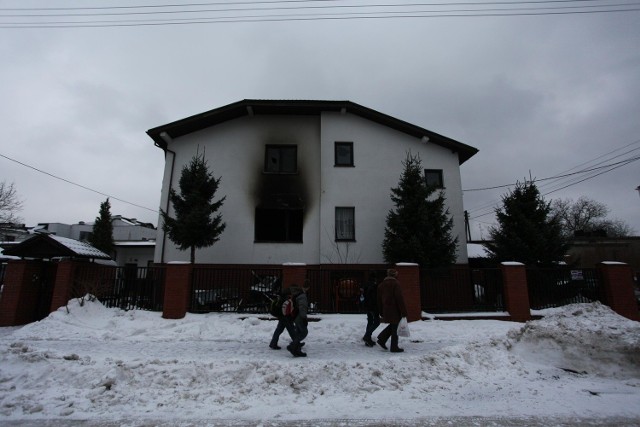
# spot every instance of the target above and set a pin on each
(281, 159)
(279, 218)
(433, 177)
(85, 236)
(345, 224)
(278, 225)
(344, 154)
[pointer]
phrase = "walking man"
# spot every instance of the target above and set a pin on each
(392, 309)
(301, 304)
(371, 308)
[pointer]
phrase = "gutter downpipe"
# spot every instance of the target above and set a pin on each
(167, 139)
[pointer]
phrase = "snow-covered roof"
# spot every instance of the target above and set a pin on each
(476, 250)
(48, 246)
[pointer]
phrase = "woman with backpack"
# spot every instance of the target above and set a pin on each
(282, 309)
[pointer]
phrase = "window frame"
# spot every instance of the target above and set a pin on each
(347, 144)
(440, 175)
(351, 209)
(280, 171)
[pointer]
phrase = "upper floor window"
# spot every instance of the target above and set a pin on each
(281, 159)
(343, 154)
(433, 177)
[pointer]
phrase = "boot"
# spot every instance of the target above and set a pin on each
(394, 345)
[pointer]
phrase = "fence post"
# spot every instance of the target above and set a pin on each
(19, 295)
(617, 287)
(409, 278)
(293, 273)
(177, 290)
(516, 291)
(63, 284)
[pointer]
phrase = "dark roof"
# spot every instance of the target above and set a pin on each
(255, 107)
(47, 246)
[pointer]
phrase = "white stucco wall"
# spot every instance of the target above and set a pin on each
(235, 152)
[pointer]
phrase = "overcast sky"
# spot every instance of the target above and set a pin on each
(539, 95)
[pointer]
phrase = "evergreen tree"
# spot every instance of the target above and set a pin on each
(194, 225)
(102, 234)
(419, 228)
(527, 231)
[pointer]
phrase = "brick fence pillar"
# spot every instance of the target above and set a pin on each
(516, 291)
(20, 292)
(617, 289)
(293, 274)
(177, 290)
(409, 278)
(63, 284)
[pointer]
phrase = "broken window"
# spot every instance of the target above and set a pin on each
(281, 159)
(279, 219)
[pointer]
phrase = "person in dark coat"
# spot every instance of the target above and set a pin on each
(371, 308)
(301, 322)
(392, 309)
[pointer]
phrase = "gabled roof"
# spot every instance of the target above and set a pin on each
(249, 107)
(47, 246)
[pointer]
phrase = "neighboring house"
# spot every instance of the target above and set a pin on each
(13, 232)
(305, 181)
(134, 240)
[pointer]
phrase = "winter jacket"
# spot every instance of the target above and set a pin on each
(371, 298)
(301, 303)
(390, 301)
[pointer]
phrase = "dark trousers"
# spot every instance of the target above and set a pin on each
(373, 321)
(390, 331)
(283, 323)
(302, 331)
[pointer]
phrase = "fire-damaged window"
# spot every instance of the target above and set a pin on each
(279, 219)
(345, 224)
(281, 159)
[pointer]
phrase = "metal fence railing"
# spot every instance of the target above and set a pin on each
(128, 288)
(554, 287)
(248, 290)
(459, 289)
(339, 290)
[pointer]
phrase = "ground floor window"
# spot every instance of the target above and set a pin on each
(345, 223)
(278, 225)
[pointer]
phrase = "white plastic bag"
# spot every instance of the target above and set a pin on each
(403, 328)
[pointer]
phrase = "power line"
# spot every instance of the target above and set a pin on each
(481, 11)
(593, 171)
(76, 184)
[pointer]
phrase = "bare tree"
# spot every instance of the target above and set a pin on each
(342, 251)
(10, 204)
(587, 215)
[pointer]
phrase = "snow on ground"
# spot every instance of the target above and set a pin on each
(111, 367)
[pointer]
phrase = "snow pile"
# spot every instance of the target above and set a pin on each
(94, 363)
(583, 338)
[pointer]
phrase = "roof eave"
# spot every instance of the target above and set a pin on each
(249, 107)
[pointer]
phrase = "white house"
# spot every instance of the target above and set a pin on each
(305, 181)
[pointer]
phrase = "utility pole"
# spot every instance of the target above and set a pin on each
(467, 228)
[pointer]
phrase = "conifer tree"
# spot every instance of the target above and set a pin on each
(527, 231)
(419, 227)
(101, 236)
(196, 224)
